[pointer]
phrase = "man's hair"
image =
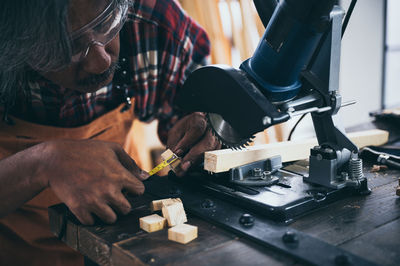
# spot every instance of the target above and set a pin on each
(34, 38)
(33, 35)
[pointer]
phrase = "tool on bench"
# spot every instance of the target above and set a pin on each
(294, 70)
(382, 155)
(171, 159)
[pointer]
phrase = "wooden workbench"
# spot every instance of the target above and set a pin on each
(368, 226)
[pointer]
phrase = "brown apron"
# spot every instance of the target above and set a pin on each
(25, 238)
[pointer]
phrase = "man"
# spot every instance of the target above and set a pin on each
(73, 75)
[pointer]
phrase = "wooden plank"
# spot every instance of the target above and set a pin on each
(223, 160)
(206, 13)
(155, 248)
(95, 242)
(380, 245)
(250, 34)
(62, 227)
(352, 217)
(237, 29)
(239, 252)
(94, 247)
(124, 257)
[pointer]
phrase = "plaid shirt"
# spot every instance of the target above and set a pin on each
(163, 46)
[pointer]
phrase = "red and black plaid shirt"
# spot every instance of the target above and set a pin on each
(164, 46)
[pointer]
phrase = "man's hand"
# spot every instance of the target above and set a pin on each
(89, 176)
(190, 138)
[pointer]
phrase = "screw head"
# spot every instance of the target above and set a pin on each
(174, 191)
(207, 204)
(343, 176)
(290, 238)
(246, 220)
(267, 175)
(122, 236)
(319, 196)
(329, 150)
(257, 172)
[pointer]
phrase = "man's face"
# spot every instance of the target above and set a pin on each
(97, 68)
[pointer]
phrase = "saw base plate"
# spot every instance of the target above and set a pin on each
(282, 201)
(255, 213)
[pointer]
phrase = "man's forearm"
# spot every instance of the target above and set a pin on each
(20, 179)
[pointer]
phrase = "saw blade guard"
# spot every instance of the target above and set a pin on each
(287, 45)
(228, 92)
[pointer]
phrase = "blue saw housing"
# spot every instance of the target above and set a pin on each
(285, 48)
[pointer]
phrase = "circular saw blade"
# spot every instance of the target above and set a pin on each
(225, 133)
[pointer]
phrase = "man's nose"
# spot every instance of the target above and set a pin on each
(98, 60)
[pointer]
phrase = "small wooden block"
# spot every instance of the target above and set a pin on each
(183, 233)
(152, 223)
(174, 213)
(157, 205)
(167, 154)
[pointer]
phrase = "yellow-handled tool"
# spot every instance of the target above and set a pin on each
(164, 164)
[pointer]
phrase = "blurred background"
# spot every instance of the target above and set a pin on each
(370, 62)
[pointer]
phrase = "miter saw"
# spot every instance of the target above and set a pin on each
(294, 71)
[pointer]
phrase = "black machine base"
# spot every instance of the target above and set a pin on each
(260, 213)
(282, 201)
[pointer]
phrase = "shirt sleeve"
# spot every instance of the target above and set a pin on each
(191, 53)
(169, 45)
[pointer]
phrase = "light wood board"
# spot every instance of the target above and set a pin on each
(223, 160)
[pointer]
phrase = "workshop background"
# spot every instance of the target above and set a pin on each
(370, 62)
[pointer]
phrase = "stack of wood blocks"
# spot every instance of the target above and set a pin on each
(174, 216)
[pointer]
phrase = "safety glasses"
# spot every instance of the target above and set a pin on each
(99, 31)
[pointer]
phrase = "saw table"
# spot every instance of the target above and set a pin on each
(365, 226)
